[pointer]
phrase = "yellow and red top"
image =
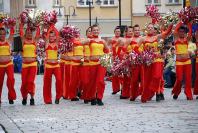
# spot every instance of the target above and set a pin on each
(155, 46)
(181, 48)
(29, 51)
(51, 54)
(96, 48)
(5, 51)
(78, 48)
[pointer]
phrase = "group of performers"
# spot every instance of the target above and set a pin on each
(80, 75)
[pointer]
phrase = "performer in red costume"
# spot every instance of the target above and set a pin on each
(183, 62)
(29, 66)
(52, 67)
(76, 69)
(153, 73)
(67, 59)
(196, 80)
(137, 70)
(97, 72)
(115, 49)
(125, 94)
(6, 65)
(86, 69)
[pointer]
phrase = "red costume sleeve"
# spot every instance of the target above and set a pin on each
(37, 32)
(52, 28)
(167, 32)
(177, 27)
(21, 32)
(190, 30)
(12, 31)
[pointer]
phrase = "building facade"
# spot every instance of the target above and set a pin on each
(139, 9)
(103, 12)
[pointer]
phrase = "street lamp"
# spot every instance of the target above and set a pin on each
(68, 15)
(120, 13)
(89, 3)
(184, 3)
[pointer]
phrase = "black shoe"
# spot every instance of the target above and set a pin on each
(32, 101)
(132, 99)
(93, 102)
(158, 97)
(162, 96)
(11, 102)
(79, 94)
(99, 102)
(24, 101)
(86, 101)
(74, 99)
(121, 97)
(197, 97)
(113, 93)
(175, 97)
(57, 101)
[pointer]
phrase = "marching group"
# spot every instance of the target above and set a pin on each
(80, 75)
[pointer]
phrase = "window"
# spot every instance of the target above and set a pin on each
(84, 3)
(173, 1)
(57, 3)
(155, 2)
(30, 3)
(109, 2)
(1, 5)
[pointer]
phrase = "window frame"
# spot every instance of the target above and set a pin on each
(2, 5)
(54, 4)
(152, 3)
(85, 5)
(28, 5)
(173, 3)
(109, 5)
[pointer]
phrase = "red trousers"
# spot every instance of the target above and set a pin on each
(196, 80)
(75, 81)
(116, 83)
(146, 92)
(126, 86)
(136, 81)
(47, 85)
(183, 70)
(97, 84)
(85, 82)
(62, 69)
(28, 76)
(67, 81)
(9, 70)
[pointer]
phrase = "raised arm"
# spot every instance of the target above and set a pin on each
(177, 28)
(165, 33)
(189, 36)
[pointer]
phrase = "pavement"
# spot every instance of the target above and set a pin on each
(116, 116)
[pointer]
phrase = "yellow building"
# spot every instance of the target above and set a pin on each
(106, 14)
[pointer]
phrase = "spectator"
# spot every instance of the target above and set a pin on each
(169, 69)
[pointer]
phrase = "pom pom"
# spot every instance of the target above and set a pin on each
(106, 61)
(68, 33)
(153, 12)
(41, 47)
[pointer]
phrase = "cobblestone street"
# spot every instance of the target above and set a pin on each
(117, 116)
